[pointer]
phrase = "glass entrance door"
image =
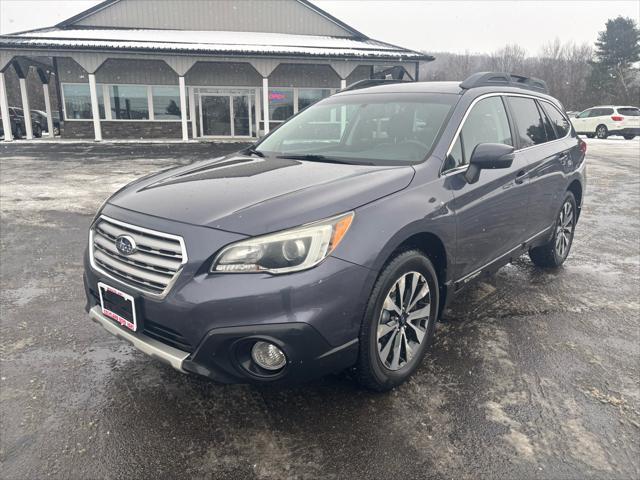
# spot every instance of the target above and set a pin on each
(216, 115)
(226, 115)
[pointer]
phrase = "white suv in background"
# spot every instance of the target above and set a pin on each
(608, 120)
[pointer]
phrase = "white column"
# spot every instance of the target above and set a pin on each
(192, 111)
(47, 109)
(4, 110)
(26, 110)
(183, 108)
(343, 109)
(95, 109)
(265, 104)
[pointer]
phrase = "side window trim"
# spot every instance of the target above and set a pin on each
(546, 123)
(562, 114)
(458, 133)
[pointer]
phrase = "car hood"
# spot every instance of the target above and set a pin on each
(252, 195)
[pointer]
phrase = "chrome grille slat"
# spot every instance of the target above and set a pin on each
(152, 268)
(143, 248)
(109, 245)
(152, 242)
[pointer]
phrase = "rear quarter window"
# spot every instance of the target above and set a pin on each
(529, 126)
(629, 112)
(558, 120)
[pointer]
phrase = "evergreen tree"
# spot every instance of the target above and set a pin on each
(617, 49)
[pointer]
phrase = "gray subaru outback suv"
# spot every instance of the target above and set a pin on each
(336, 241)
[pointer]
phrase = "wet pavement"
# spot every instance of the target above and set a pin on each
(532, 374)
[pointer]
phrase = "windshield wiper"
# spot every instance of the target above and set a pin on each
(312, 157)
(253, 151)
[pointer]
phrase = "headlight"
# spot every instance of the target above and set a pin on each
(288, 251)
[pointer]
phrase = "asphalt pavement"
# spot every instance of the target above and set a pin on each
(533, 374)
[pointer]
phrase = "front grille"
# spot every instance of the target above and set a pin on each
(151, 268)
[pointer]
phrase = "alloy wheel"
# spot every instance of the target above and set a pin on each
(564, 229)
(601, 132)
(403, 322)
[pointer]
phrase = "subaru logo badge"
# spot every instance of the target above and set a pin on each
(125, 245)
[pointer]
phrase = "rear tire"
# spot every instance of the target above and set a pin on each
(602, 132)
(590, 135)
(629, 137)
(553, 253)
(399, 321)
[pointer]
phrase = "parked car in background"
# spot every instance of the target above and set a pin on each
(41, 117)
(607, 120)
(338, 239)
(16, 116)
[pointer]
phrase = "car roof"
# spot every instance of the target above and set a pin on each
(445, 87)
(409, 87)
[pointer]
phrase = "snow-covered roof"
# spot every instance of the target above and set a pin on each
(207, 42)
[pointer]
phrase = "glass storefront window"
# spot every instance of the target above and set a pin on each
(309, 96)
(129, 102)
(77, 101)
(166, 103)
(280, 104)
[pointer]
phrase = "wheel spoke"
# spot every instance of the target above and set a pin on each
(390, 304)
(420, 313)
(385, 328)
(401, 286)
(420, 332)
(395, 361)
(384, 352)
(421, 294)
(415, 278)
(407, 348)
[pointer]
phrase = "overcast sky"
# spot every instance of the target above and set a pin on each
(435, 26)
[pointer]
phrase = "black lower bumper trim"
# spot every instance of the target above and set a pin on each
(223, 352)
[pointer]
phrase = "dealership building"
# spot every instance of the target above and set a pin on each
(188, 69)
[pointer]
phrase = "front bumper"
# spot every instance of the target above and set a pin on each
(205, 321)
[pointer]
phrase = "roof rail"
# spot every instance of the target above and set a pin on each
(484, 79)
(371, 82)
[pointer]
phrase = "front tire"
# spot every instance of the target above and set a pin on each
(602, 132)
(590, 135)
(399, 321)
(553, 253)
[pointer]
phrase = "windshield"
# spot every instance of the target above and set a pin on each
(377, 129)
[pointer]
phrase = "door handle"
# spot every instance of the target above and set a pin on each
(520, 176)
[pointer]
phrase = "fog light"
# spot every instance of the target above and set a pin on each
(268, 356)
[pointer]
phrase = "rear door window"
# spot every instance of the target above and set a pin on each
(529, 124)
(486, 123)
(629, 112)
(558, 120)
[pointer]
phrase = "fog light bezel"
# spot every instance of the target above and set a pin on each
(244, 363)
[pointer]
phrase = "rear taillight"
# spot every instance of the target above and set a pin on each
(582, 145)
(617, 118)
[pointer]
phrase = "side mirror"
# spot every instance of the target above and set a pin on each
(488, 156)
